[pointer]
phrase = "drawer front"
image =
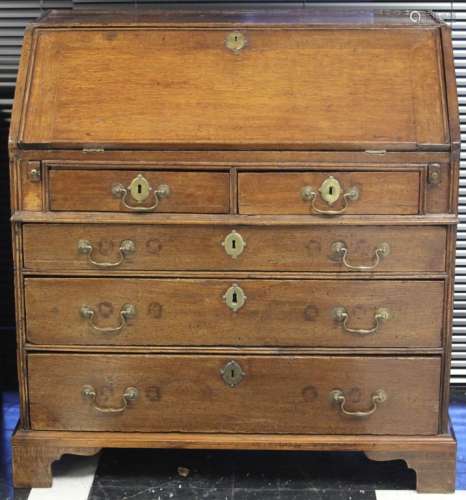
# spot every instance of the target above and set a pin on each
(133, 191)
(199, 312)
(116, 247)
(258, 394)
(330, 193)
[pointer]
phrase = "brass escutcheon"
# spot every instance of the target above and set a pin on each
(330, 191)
(235, 41)
(235, 297)
(139, 190)
(232, 373)
(234, 244)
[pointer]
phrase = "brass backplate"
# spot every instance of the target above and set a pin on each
(330, 190)
(235, 41)
(139, 188)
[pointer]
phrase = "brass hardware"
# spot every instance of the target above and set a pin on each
(433, 174)
(127, 247)
(341, 315)
(139, 189)
(35, 174)
(375, 151)
(128, 311)
(337, 396)
(235, 41)
(232, 373)
(330, 191)
(340, 253)
(235, 297)
(234, 244)
(130, 394)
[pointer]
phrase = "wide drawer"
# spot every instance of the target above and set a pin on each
(258, 394)
(330, 193)
(113, 247)
(132, 191)
(200, 312)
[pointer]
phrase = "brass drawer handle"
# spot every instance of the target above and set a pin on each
(341, 315)
(340, 253)
(330, 190)
(130, 394)
(139, 190)
(127, 312)
(337, 396)
(127, 247)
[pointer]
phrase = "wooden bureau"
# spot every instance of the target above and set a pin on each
(235, 229)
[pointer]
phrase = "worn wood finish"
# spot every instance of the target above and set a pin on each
(439, 449)
(280, 193)
(194, 312)
(435, 469)
(190, 192)
(32, 465)
(196, 110)
(199, 400)
(55, 247)
(212, 120)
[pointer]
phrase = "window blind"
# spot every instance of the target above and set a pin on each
(15, 14)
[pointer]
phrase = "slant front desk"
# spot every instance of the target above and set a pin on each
(236, 230)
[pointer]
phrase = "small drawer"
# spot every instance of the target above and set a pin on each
(330, 193)
(241, 312)
(256, 394)
(139, 247)
(134, 191)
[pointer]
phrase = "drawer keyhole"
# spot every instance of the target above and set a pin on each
(234, 299)
(232, 374)
(233, 244)
(139, 189)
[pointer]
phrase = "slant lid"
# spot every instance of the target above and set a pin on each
(221, 87)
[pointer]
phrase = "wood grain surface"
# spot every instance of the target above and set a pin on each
(279, 394)
(412, 249)
(280, 193)
(286, 89)
(194, 313)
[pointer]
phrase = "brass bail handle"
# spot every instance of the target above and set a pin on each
(330, 191)
(338, 397)
(128, 311)
(139, 190)
(340, 252)
(126, 248)
(341, 315)
(130, 394)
